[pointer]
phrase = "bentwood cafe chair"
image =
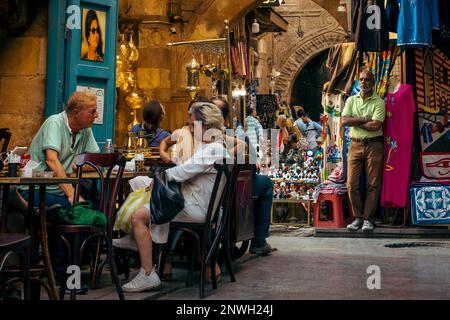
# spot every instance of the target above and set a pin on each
(78, 237)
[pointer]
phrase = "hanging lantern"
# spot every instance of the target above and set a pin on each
(133, 55)
(255, 27)
(135, 100)
(173, 10)
(193, 78)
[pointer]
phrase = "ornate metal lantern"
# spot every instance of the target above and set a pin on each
(193, 78)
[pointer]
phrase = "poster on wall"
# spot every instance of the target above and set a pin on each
(433, 98)
(100, 95)
(92, 42)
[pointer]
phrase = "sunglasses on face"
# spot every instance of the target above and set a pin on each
(94, 30)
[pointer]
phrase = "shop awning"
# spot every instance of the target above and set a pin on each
(269, 20)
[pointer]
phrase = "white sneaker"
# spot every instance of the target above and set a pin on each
(355, 225)
(367, 226)
(143, 282)
(126, 242)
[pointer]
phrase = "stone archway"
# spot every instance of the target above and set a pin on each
(210, 15)
(301, 56)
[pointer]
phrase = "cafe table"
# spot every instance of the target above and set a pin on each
(150, 163)
(32, 182)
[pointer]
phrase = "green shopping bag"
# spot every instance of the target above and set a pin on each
(82, 213)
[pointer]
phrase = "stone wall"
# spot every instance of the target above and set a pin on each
(312, 29)
(22, 79)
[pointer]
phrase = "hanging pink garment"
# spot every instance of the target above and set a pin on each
(398, 139)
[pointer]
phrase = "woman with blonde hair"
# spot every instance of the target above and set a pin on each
(197, 176)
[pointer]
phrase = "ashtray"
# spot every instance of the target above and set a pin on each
(37, 173)
(48, 174)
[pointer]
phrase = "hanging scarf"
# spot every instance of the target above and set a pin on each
(381, 64)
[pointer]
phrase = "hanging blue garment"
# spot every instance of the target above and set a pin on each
(370, 26)
(416, 19)
(426, 132)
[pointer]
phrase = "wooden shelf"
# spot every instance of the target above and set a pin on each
(294, 201)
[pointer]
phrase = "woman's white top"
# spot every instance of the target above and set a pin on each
(197, 176)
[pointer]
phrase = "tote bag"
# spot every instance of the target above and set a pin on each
(135, 200)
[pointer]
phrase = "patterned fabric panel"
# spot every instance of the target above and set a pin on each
(430, 204)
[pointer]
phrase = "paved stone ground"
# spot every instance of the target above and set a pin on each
(321, 268)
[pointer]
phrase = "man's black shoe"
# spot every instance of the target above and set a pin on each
(83, 290)
(12, 294)
(260, 247)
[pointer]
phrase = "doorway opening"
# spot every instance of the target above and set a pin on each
(307, 89)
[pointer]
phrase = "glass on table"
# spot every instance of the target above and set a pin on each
(142, 143)
(131, 141)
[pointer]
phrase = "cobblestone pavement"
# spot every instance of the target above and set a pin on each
(330, 268)
(322, 268)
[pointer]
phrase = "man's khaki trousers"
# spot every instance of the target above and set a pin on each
(370, 157)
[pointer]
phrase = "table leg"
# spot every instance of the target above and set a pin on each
(5, 201)
(33, 229)
(309, 214)
(44, 241)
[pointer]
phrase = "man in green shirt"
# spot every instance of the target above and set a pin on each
(60, 138)
(365, 113)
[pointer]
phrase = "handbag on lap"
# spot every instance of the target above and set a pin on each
(166, 200)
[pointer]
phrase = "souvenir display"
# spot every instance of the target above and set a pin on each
(295, 181)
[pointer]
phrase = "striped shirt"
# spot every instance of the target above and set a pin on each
(254, 130)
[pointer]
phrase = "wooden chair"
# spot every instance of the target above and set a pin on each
(20, 243)
(5, 137)
(213, 232)
(76, 245)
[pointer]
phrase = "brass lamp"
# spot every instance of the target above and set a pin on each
(135, 100)
(193, 78)
(127, 59)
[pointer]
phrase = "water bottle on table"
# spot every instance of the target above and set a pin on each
(109, 147)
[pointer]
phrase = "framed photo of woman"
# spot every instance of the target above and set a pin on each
(92, 40)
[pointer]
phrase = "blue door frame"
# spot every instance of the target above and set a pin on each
(67, 71)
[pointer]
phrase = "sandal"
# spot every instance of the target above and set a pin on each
(167, 272)
(166, 277)
(218, 278)
(218, 275)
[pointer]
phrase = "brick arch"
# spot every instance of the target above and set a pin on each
(301, 56)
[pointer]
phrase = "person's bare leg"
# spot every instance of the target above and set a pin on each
(141, 220)
(218, 272)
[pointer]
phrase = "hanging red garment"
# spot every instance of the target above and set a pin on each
(398, 139)
(234, 60)
(242, 58)
(247, 68)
